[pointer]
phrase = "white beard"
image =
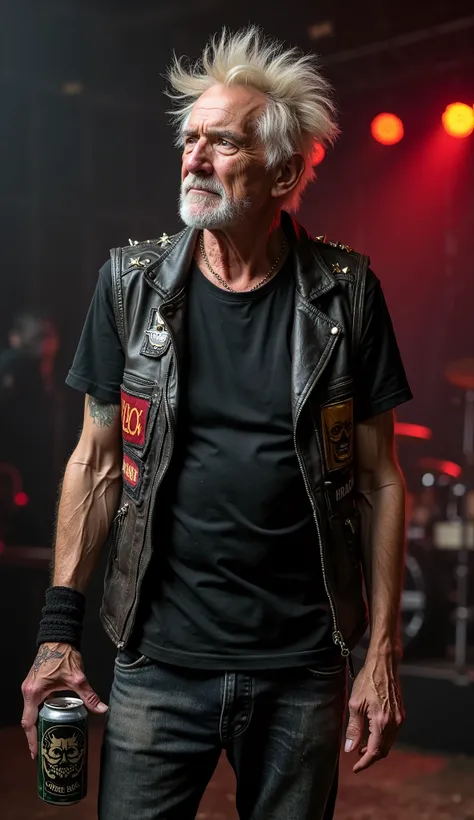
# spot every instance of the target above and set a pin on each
(204, 212)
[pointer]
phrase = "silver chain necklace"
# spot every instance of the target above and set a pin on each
(224, 283)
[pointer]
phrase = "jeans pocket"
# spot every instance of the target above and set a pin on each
(327, 672)
(127, 660)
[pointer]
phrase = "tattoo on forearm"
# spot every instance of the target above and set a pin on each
(46, 654)
(102, 413)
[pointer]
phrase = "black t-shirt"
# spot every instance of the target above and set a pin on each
(238, 582)
(235, 582)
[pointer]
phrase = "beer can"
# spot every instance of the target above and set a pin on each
(62, 751)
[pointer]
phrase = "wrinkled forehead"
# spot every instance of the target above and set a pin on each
(235, 107)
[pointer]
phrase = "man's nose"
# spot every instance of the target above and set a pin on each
(197, 160)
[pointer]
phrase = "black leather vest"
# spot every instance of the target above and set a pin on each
(149, 287)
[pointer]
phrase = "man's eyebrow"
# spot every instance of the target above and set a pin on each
(232, 136)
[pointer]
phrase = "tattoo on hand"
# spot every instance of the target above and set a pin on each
(46, 654)
(102, 412)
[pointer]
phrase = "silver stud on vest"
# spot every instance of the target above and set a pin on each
(336, 268)
(338, 245)
(137, 262)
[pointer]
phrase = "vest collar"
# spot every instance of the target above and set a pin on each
(169, 273)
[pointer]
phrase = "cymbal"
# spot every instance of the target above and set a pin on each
(413, 431)
(461, 373)
(440, 466)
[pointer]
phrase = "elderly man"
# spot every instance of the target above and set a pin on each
(237, 449)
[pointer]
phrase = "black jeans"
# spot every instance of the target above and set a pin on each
(167, 726)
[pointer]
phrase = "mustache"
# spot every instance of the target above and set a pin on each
(202, 184)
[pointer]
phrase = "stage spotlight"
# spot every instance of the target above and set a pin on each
(403, 428)
(387, 129)
(318, 154)
(458, 120)
(21, 499)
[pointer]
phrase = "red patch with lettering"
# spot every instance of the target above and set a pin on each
(134, 418)
(130, 470)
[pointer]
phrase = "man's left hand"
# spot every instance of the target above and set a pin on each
(376, 696)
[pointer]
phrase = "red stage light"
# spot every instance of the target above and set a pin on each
(387, 129)
(412, 430)
(21, 499)
(439, 465)
(318, 154)
(458, 120)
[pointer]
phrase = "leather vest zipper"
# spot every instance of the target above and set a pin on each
(337, 635)
(119, 521)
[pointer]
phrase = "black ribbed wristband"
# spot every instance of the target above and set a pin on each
(62, 617)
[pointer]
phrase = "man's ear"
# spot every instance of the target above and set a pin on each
(288, 175)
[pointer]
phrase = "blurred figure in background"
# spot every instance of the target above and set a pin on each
(28, 413)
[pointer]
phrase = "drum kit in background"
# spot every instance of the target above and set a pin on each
(438, 595)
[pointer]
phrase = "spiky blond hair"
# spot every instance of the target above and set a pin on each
(300, 109)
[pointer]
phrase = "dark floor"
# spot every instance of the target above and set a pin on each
(407, 786)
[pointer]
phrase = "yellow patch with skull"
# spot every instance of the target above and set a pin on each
(338, 434)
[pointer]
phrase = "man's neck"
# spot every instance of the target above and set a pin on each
(243, 256)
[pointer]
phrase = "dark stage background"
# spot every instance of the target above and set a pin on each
(86, 160)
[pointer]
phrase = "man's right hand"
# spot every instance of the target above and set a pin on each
(57, 666)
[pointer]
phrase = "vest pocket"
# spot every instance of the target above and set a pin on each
(345, 532)
(117, 530)
(353, 537)
(115, 599)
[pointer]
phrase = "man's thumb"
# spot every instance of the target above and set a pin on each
(354, 730)
(101, 708)
(91, 700)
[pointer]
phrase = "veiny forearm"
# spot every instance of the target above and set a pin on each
(383, 553)
(89, 500)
